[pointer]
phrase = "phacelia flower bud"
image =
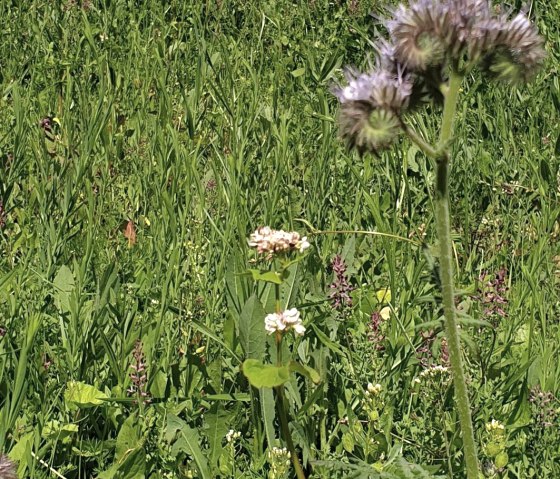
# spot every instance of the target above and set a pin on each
(415, 33)
(517, 50)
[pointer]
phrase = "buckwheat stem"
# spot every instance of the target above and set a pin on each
(284, 425)
(281, 400)
(446, 265)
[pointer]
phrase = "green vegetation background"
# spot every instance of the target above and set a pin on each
(177, 128)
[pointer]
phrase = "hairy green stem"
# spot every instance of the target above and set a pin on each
(428, 149)
(446, 265)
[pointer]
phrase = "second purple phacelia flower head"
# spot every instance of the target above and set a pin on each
(426, 38)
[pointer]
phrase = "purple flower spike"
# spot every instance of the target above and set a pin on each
(340, 288)
(7, 468)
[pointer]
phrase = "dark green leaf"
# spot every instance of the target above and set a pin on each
(252, 334)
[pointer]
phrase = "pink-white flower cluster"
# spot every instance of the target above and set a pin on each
(270, 241)
(289, 319)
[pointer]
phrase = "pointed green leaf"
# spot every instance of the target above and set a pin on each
(188, 441)
(268, 414)
(216, 419)
(128, 437)
(305, 370)
(268, 276)
(64, 285)
(326, 341)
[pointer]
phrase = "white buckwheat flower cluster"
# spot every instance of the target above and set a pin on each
(232, 435)
(271, 242)
(494, 426)
(279, 460)
(439, 372)
(289, 319)
(374, 389)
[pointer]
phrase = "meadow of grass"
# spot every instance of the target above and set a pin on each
(142, 142)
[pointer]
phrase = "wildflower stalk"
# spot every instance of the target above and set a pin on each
(286, 432)
(427, 38)
(280, 400)
(446, 265)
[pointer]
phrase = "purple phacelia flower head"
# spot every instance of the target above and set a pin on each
(370, 107)
(415, 32)
(426, 38)
(427, 33)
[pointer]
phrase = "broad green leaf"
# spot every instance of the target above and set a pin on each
(54, 430)
(305, 370)
(290, 287)
(128, 437)
(229, 332)
(134, 464)
(234, 287)
(24, 444)
(216, 419)
(159, 385)
(187, 441)
(395, 469)
(298, 72)
(349, 252)
(21, 453)
(252, 334)
(83, 395)
(265, 375)
(130, 456)
(64, 285)
(348, 442)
